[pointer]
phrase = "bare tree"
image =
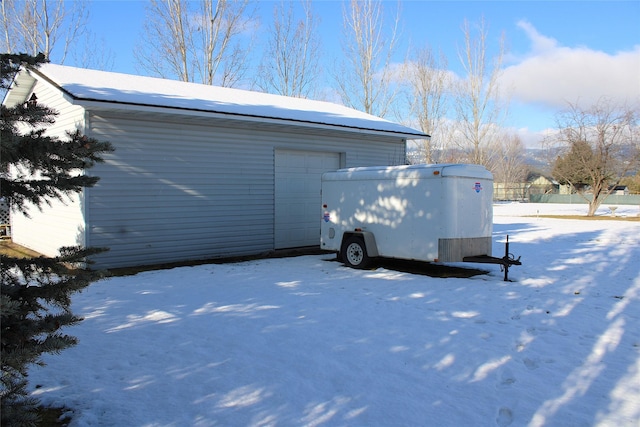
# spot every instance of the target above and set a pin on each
(509, 168)
(477, 103)
(223, 24)
(92, 52)
(8, 42)
(429, 83)
(39, 26)
(201, 44)
(165, 52)
(601, 148)
(365, 80)
(290, 63)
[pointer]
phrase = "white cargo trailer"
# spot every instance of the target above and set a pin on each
(432, 213)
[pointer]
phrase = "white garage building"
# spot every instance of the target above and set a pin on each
(198, 171)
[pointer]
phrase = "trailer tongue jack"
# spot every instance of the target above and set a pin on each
(505, 262)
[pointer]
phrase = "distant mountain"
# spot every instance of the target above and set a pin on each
(539, 159)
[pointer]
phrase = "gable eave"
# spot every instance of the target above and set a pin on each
(20, 89)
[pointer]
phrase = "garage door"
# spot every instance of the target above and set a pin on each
(297, 196)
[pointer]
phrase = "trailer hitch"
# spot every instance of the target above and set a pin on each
(505, 262)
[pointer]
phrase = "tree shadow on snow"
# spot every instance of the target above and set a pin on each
(579, 293)
(303, 341)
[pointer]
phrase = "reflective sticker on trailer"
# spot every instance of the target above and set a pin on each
(477, 187)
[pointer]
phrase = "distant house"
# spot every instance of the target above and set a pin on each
(535, 184)
(621, 190)
(199, 171)
(540, 184)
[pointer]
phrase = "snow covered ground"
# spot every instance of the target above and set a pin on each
(307, 341)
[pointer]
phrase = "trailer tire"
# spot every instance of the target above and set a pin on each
(354, 253)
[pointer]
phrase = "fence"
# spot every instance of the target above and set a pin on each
(519, 191)
(613, 199)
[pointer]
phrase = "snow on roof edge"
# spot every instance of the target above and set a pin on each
(103, 86)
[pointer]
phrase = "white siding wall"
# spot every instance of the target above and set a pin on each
(180, 190)
(62, 223)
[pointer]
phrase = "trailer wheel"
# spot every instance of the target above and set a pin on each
(354, 253)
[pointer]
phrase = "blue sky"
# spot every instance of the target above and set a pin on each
(558, 51)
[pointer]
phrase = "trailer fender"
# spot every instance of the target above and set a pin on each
(358, 249)
(369, 241)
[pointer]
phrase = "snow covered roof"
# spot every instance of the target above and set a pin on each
(92, 85)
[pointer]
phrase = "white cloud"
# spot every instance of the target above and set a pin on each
(553, 75)
(531, 138)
